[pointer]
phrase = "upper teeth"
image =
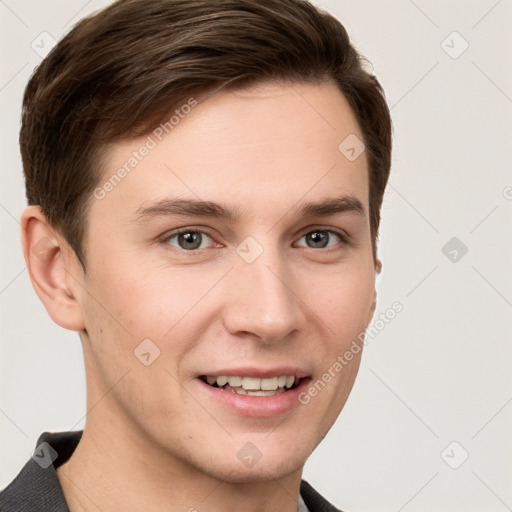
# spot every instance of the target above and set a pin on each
(253, 383)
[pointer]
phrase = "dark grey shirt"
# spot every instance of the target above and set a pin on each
(37, 488)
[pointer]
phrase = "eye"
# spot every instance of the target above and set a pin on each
(188, 240)
(320, 238)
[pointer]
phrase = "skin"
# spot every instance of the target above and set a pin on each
(153, 440)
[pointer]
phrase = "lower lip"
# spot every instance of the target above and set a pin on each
(257, 406)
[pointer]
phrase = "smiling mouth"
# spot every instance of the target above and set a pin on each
(253, 386)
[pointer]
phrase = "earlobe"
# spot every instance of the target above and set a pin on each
(372, 307)
(48, 266)
(378, 270)
(378, 266)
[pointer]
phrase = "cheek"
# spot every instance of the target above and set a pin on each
(162, 305)
(138, 300)
(346, 304)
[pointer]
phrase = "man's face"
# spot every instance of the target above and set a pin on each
(270, 292)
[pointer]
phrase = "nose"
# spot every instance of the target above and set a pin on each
(262, 300)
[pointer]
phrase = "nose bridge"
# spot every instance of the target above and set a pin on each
(263, 302)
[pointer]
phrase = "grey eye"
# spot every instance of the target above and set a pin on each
(189, 240)
(320, 239)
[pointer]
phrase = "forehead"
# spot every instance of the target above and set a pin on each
(266, 144)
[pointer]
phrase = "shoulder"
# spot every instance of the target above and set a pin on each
(314, 500)
(31, 490)
(37, 487)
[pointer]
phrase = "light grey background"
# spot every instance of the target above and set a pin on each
(440, 371)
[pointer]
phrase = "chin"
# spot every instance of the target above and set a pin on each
(271, 460)
(262, 471)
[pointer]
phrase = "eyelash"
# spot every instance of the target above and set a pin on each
(344, 238)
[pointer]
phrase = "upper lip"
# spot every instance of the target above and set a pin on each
(262, 373)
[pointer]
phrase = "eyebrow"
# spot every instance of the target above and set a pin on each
(199, 208)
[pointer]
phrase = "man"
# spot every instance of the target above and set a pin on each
(204, 182)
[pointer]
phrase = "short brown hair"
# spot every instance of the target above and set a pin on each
(120, 71)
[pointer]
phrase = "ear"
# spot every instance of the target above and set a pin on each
(378, 270)
(52, 269)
